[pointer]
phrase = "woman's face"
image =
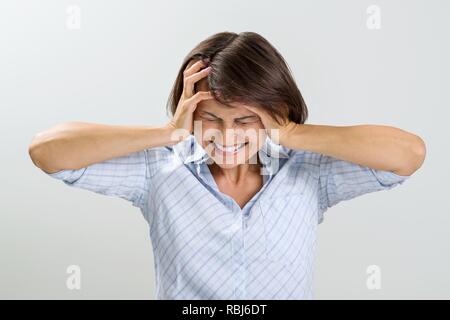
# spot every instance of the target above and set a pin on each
(230, 135)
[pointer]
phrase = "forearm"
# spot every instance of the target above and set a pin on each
(375, 146)
(74, 145)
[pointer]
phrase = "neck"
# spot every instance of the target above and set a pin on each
(237, 174)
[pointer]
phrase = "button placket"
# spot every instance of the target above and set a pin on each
(238, 256)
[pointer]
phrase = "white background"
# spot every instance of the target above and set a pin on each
(119, 69)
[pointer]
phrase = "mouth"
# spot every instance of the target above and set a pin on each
(229, 150)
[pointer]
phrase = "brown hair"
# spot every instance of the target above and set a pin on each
(247, 69)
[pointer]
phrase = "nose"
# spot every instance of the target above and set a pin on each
(232, 135)
(227, 125)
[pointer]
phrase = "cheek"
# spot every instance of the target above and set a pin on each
(256, 134)
(205, 130)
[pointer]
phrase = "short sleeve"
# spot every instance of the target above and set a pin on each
(342, 180)
(127, 177)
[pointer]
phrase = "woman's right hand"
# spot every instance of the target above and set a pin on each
(182, 121)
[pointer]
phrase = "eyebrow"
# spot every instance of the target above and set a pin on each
(240, 118)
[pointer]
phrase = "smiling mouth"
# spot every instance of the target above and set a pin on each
(229, 149)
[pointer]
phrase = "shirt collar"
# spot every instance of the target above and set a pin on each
(190, 151)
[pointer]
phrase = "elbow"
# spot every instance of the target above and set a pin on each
(47, 149)
(34, 150)
(419, 150)
(417, 153)
(38, 153)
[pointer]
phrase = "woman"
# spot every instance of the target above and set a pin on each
(234, 186)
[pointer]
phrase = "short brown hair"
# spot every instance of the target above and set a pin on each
(246, 69)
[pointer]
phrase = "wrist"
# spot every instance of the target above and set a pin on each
(173, 135)
(289, 134)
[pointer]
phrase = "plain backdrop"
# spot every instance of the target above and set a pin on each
(119, 67)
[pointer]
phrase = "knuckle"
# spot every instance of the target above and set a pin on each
(187, 101)
(185, 98)
(188, 79)
(199, 94)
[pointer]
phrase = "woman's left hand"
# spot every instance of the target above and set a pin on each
(284, 130)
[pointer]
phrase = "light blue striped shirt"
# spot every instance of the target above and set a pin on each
(205, 246)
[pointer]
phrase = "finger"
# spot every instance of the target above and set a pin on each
(198, 97)
(190, 81)
(193, 68)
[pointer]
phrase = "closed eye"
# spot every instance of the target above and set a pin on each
(248, 120)
(208, 116)
(211, 119)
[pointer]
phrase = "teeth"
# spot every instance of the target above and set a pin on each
(229, 149)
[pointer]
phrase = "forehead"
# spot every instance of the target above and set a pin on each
(235, 110)
(216, 108)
